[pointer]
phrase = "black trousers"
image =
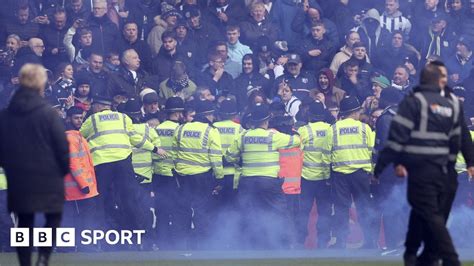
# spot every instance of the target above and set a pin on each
(196, 210)
(167, 204)
(5, 222)
(81, 215)
(431, 191)
(265, 219)
(347, 188)
(119, 204)
(27, 220)
(320, 191)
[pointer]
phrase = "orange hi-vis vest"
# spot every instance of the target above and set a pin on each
(82, 169)
(291, 166)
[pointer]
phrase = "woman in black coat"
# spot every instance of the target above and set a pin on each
(35, 156)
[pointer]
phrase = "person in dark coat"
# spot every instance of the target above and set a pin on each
(317, 51)
(131, 40)
(53, 36)
(396, 54)
(215, 77)
(249, 81)
(96, 74)
(130, 79)
(166, 57)
(223, 13)
(35, 156)
(258, 25)
(104, 32)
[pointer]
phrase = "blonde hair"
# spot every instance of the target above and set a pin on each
(33, 76)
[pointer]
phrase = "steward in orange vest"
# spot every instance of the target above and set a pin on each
(80, 184)
(291, 165)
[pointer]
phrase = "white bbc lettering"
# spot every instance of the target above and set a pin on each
(65, 237)
(112, 237)
(19, 237)
(42, 237)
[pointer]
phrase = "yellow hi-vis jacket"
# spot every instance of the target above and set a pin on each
(142, 160)
(3, 180)
(111, 136)
(351, 143)
(229, 131)
(197, 149)
(165, 132)
(259, 151)
(460, 162)
(313, 137)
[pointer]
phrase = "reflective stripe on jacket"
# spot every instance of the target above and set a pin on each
(258, 149)
(229, 131)
(351, 143)
(291, 165)
(312, 141)
(111, 136)
(165, 132)
(82, 169)
(142, 160)
(197, 149)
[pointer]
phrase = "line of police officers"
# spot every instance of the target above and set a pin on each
(198, 176)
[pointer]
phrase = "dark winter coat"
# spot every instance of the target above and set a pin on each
(53, 38)
(234, 12)
(315, 63)
(99, 81)
(104, 34)
(246, 84)
(25, 55)
(122, 83)
(222, 87)
(34, 154)
(163, 62)
(252, 31)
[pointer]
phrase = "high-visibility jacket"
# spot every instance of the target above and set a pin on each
(165, 132)
(291, 165)
(351, 143)
(229, 131)
(460, 162)
(3, 180)
(197, 149)
(142, 160)
(82, 169)
(313, 137)
(111, 136)
(259, 151)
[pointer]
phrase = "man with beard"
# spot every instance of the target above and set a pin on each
(167, 55)
(249, 81)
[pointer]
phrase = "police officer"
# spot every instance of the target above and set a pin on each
(388, 190)
(262, 200)
(5, 220)
(229, 130)
(164, 183)
(111, 136)
(198, 162)
(315, 183)
(142, 162)
(350, 143)
(424, 138)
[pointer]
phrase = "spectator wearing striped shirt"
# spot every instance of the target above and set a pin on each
(393, 20)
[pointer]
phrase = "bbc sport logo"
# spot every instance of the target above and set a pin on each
(66, 237)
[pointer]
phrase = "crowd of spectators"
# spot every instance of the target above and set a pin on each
(272, 51)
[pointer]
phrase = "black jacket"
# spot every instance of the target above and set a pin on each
(222, 87)
(143, 50)
(315, 63)
(121, 82)
(34, 153)
(404, 147)
(99, 81)
(52, 39)
(104, 34)
(163, 62)
(246, 84)
(25, 55)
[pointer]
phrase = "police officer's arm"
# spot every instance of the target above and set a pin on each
(327, 145)
(284, 141)
(136, 139)
(303, 132)
(403, 123)
(86, 128)
(232, 154)
(370, 141)
(215, 153)
(155, 140)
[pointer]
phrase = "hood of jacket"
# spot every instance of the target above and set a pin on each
(25, 101)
